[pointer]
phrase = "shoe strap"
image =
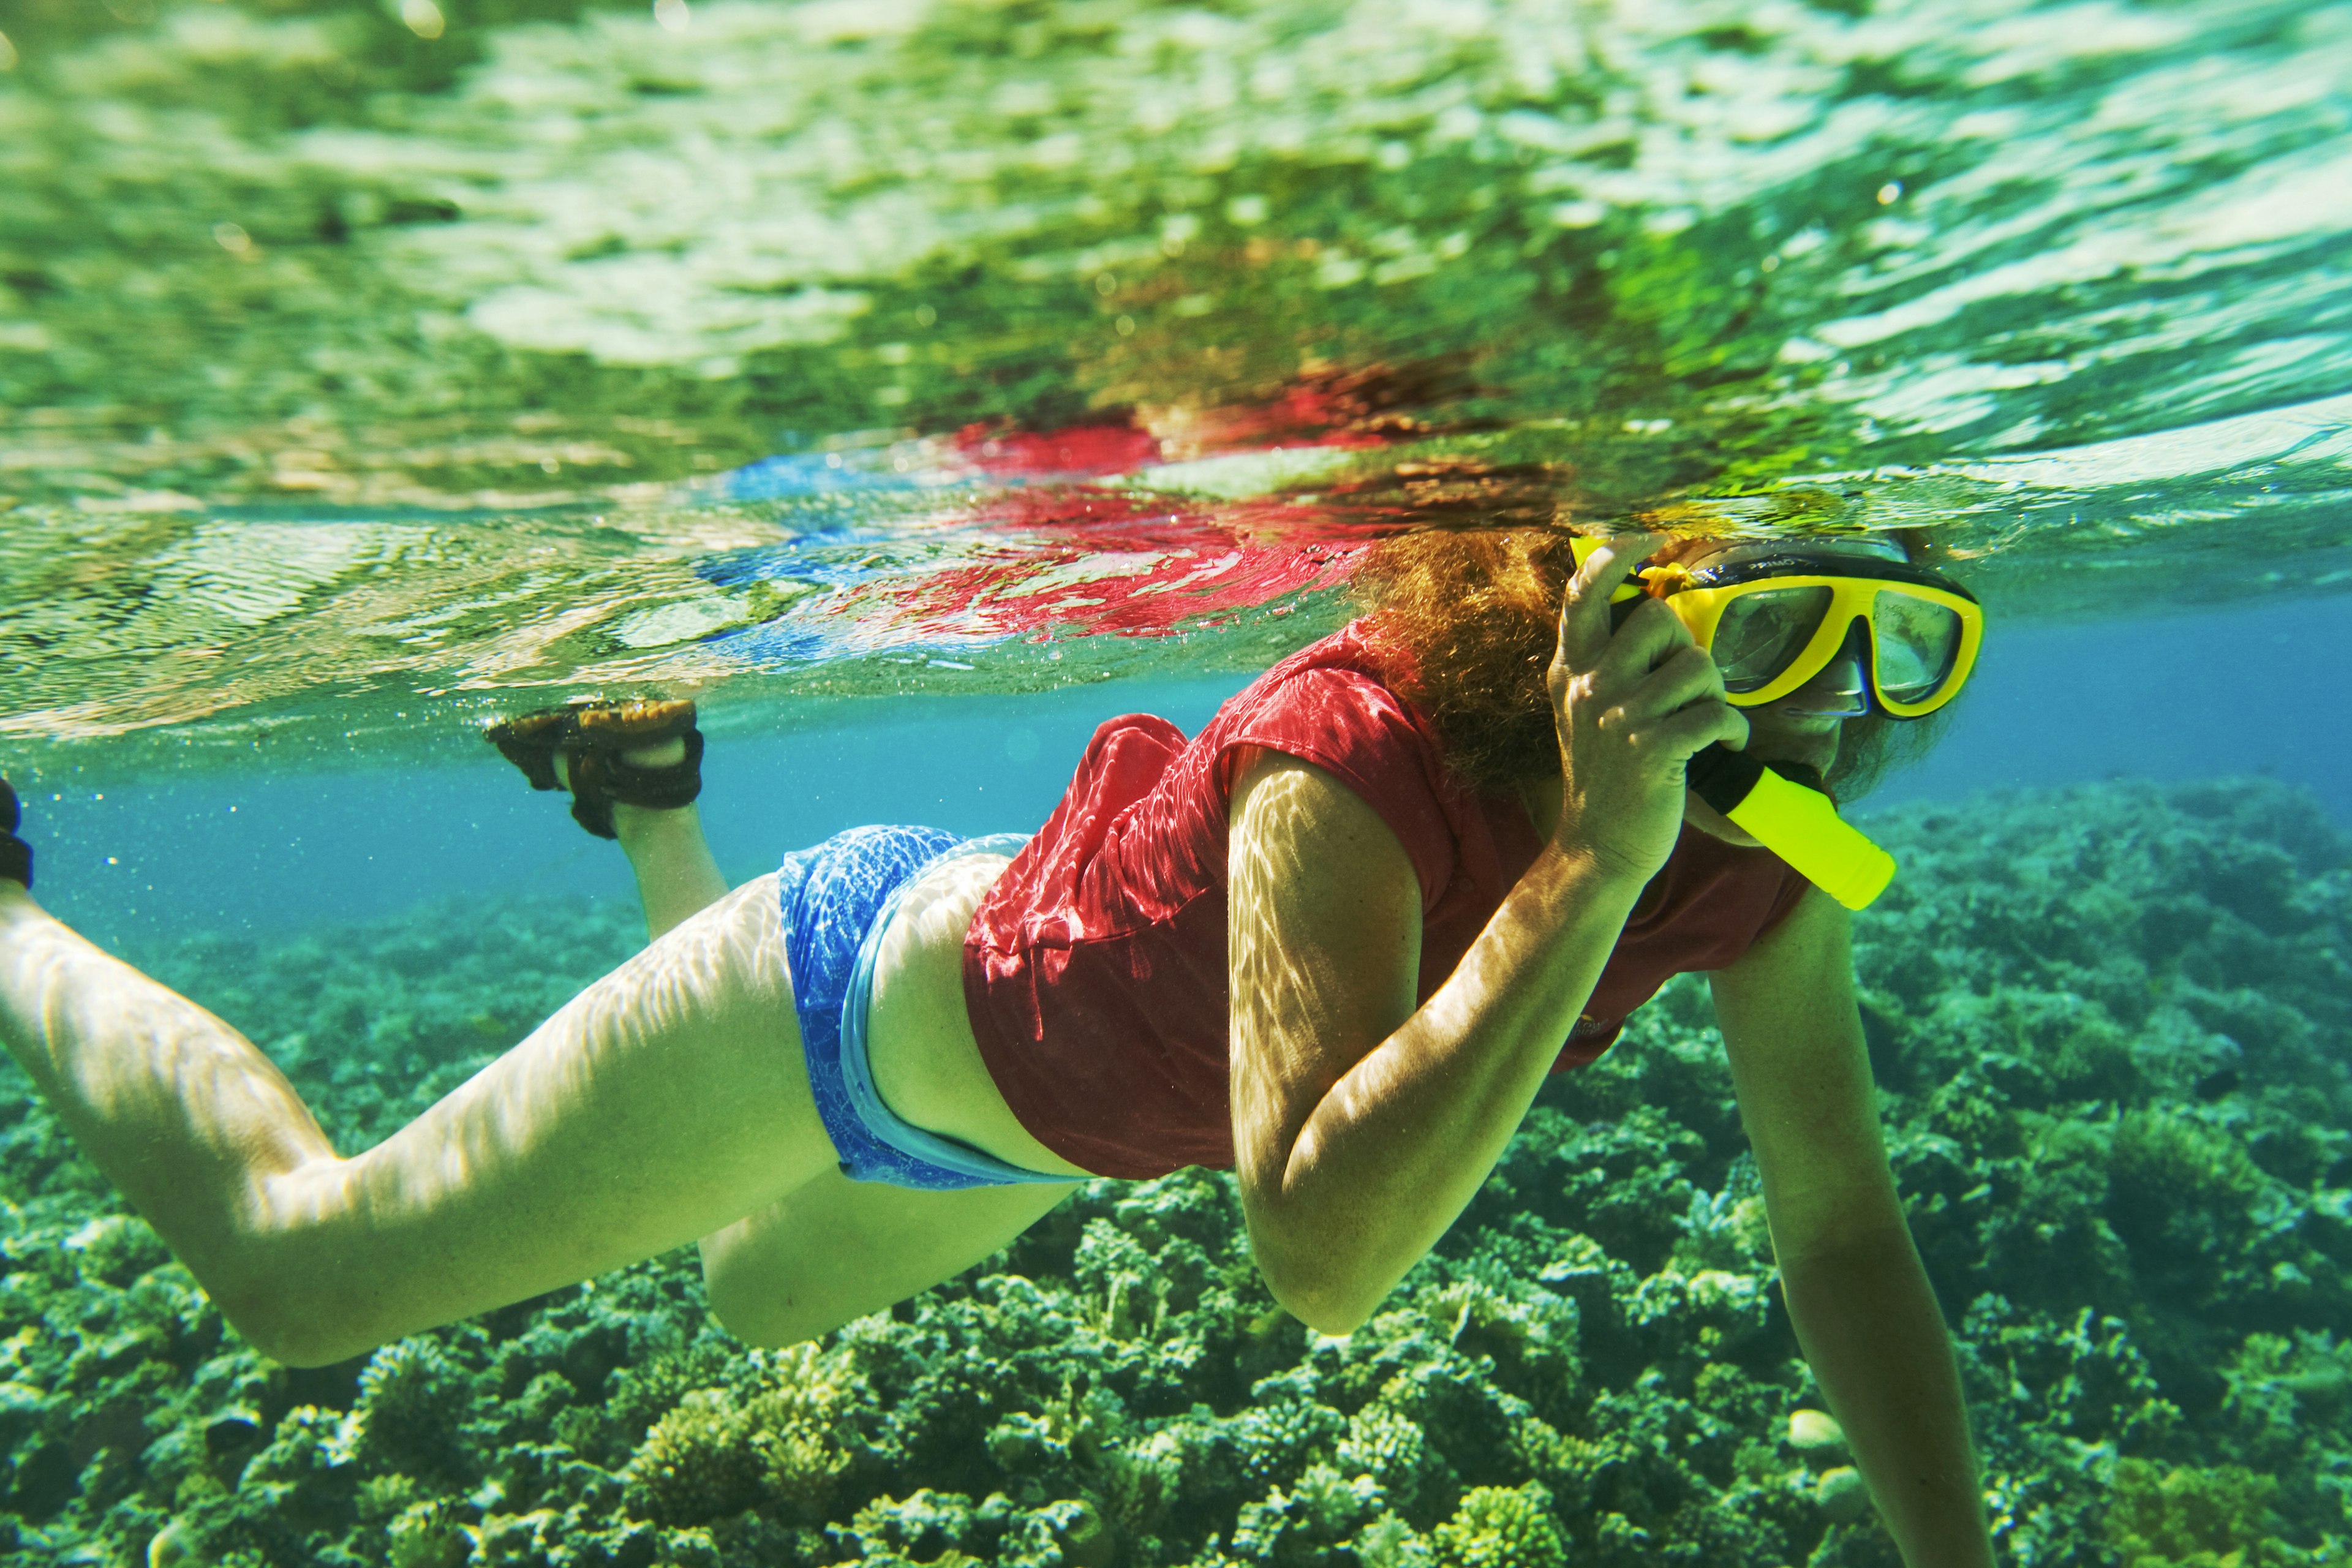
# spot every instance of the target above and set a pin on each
(530, 743)
(602, 778)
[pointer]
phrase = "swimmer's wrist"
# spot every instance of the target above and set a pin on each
(1588, 871)
(1596, 864)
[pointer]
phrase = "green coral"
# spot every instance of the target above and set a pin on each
(409, 1411)
(698, 1463)
(715, 1454)
(425, 1535)
(1498, 1526)
(1389, 1448)
(1306, 1525)
(1593, 1361)
(2185, 1517)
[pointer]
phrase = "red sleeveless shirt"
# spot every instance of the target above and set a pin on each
(1095, 970)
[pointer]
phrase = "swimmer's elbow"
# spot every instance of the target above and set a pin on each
(1319, 1294)
(301, 1354)
(1314, 1271)
(764, 1334)
(1333, 1318)
(1334, 1312)
(278, 1329)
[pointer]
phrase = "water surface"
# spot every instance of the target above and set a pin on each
(365, 377)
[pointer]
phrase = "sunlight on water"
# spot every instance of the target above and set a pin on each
(415, 399)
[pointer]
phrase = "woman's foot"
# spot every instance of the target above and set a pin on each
(641, 753)
(16, 855)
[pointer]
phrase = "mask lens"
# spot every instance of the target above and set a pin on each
(1760, 632)
(1918, 640)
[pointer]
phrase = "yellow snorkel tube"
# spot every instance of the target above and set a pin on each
(1783, 806)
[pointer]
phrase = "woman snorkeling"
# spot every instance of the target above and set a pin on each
(1336, 942)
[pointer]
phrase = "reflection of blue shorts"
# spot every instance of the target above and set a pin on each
(837, 899)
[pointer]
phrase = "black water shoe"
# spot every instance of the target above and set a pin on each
(590, 736)
(16, 855)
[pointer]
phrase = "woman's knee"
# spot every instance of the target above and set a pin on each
(770, 1308)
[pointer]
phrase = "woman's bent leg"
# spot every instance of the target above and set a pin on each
(836, 1249)
(677, 876)
(665, 1102)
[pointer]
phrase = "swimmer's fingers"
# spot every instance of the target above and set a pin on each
(1584, 624)
(1682, 679)
(1669, 743)
(1675, 709)
(1651, 638)
(1631, 703)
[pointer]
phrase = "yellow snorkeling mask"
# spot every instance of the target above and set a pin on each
(1774, 617)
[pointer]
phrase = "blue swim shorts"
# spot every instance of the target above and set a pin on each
(837, 900)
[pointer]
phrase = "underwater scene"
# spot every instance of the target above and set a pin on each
(916, 384)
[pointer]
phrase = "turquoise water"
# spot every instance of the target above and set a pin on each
(916, 385)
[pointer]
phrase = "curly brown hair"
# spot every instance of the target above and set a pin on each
(1466, 620)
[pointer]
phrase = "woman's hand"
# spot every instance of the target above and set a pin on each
(1631, 707)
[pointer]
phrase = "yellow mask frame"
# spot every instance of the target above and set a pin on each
(1701, 596)
(1701, 599)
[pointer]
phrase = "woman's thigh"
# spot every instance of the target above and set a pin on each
(833, 1249)
(664, 1101)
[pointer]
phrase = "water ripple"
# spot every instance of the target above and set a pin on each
(826, 350)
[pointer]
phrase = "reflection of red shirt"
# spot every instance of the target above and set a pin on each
(1095, 969)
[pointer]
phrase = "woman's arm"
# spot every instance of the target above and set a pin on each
(1361, 1125)
(1856, 1292)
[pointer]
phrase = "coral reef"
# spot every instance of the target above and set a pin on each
(2112, 1027)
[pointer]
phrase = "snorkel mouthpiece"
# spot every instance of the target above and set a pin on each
(1796, 820)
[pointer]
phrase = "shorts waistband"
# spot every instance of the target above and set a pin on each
(838, 901)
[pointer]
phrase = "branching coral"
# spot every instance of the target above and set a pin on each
(412, 1408)
(2113, 1026)
(1502, 1527)
(715, 1454)
(2189, 1517)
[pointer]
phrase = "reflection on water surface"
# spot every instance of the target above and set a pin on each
(359, 366)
